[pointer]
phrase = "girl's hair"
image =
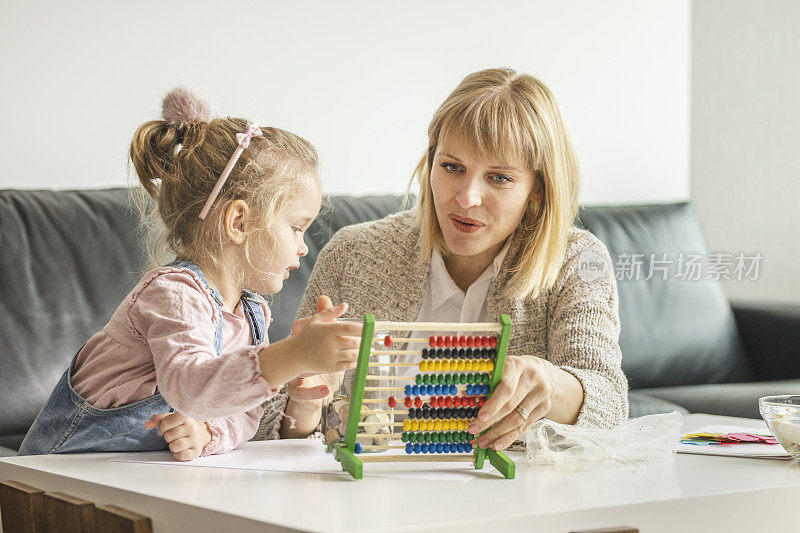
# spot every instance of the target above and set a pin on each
(511, 117)
(178, 161)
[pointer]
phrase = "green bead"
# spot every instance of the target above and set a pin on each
(418, 379)
(462, 378)
(466, 436)
(428, 437)
(404, 437)
(426, 378)
(485, 378)
(437, 437)
(440, 379)
(470, 378)
(448, 378)
(450, 436)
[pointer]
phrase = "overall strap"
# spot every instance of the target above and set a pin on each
(217, 300)
(251, 304)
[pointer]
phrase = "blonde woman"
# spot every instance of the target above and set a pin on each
(493, 234)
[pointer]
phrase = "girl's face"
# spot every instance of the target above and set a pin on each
(280, 250)
(478, 202)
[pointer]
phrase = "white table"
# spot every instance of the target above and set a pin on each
(695, 493)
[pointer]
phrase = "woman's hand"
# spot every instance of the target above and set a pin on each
(186, 436)
(529, 382)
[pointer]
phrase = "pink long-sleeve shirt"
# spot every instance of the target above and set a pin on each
(161, 339)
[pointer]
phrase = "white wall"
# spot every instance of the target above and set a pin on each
(359, 79)
(745, 140)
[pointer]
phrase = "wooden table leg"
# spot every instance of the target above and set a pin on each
(113, 519)
(22, 508)
(68, 514)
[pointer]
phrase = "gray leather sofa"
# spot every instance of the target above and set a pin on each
(67, 258)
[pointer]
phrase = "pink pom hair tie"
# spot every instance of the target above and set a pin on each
(244, 141)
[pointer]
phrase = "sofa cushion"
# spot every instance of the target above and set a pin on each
(641, 405)
(730, 399)
(69, 257)
(674, 331)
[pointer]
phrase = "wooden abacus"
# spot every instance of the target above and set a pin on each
(437, 430)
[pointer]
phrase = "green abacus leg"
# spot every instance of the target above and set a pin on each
(350, 463)
(502, 463)
(480, 456)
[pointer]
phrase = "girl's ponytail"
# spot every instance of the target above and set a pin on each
(153, 152)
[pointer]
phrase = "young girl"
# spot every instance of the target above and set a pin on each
(184, 361)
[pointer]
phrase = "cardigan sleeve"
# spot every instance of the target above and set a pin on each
(583, 336)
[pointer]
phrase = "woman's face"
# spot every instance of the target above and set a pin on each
(478, 202)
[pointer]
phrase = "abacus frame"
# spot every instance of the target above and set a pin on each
(345, 452)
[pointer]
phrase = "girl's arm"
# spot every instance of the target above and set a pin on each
(230, 432)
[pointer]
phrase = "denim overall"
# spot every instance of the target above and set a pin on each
(69, 424)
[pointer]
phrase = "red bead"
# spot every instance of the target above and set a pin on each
(433, 401)
(471, 341)
(417, 402)
(441, 401)
(481, 401)
(432, 342)
(448, 402)
(472, 401)
(392, 401)
(408, 401)
(462, 341)
(440, 341)
(447, 341)
(387, 340)
(493, 342)
(484, 342)
(457, 402)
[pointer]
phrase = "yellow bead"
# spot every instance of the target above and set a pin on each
(483, 366)
(461, 365)
(407, 424)
(430, 425)
(415, 425)
(437, 424)
(468, 366)
(451, 424)
(490, 366)
(461, 425)
(439, 364)
(423, 365)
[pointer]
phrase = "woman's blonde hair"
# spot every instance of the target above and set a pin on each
(178, 161)
(511, 117)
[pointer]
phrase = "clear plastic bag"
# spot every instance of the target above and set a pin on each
(651, 438)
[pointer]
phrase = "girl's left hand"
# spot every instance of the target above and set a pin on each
(313, 391)
(186, 436)
(528, 382)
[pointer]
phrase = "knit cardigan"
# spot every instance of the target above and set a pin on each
(378, 267)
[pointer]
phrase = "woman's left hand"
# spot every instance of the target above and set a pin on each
(529, 382)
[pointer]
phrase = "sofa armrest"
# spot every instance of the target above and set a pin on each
(770, 333)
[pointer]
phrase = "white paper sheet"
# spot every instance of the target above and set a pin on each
(753, 451)
(309, 456)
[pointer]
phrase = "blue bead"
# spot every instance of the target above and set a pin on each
(453, 447)
(424, 447)
(439, 448)
(437, 389)
(470, 389)
(417, 447)
(408, 390)
(425, 390)
(409, 447)
(486, 388)
(460, 447)
(467, 447)
(415, 390)
(358, 447)
(453, 390)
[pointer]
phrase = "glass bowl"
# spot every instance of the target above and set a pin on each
(782, 415)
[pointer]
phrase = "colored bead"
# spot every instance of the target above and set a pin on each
(462, 341)
(418, 379)
(415, 389)
(409, 448)
(469, 389)
(441, 402)
(490, 366)
(439, 341)
(457, 402)
(424, 353)
(481, 401)
(462, 378)
(414, 425)
(448, 401)
(484, 341)
(437, 425)
(439, 353)
(406, 425)
(471, 341)
(412, 437)
(417, 448)
(447, 341)
(408, 402)
(408, 390)
(387, 341)
(472, 402)
(432, 342)
(468, 447)
(493, 341)
(437, 389)
(426, 378)
(357, 447)
(417, 402)
(439, 448)
(424, 447)
(460, 447)
(486, 390)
